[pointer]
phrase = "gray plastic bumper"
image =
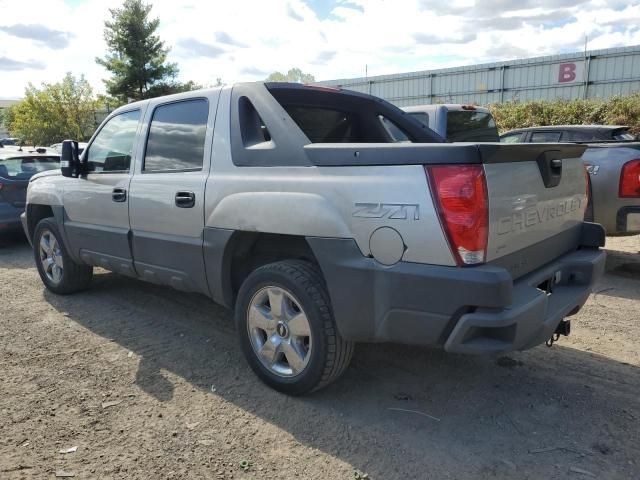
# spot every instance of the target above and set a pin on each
(466, 310)
(534, 313)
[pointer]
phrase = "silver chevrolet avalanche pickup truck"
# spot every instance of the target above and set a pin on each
(294, 206)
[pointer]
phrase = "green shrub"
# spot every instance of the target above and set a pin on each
(620, 110)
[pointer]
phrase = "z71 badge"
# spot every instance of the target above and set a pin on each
(392, 211)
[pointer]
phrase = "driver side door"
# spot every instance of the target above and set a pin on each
(97, 205)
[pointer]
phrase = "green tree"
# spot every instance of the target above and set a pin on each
(294, 75)
(137, 58)
(54, 112)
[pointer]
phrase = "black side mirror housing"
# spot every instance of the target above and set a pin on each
(69, 159)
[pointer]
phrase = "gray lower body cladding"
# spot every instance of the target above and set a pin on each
(464, 310)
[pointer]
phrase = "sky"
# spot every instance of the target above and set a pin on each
(245, 40)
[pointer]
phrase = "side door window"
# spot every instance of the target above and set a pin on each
(545, 137)
(176, 137)
(112, 148)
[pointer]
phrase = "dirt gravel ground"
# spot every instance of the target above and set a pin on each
(148, 382)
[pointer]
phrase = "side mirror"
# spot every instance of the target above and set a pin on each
(69, 159)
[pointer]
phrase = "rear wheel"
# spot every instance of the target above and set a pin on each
(58, 271)
(286, 328)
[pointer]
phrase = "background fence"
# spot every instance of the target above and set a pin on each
(590, 74)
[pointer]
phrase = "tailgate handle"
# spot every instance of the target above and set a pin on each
(550, 165)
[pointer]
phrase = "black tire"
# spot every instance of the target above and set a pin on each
(74, 277)
(330, 354)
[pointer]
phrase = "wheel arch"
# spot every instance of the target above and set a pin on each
(35, 213)
(231, 255)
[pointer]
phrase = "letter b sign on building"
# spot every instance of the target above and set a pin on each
(570, 72)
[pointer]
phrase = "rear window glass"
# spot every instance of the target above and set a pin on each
(325, 125)
(335, 116)
(394, 131)
(19, 168)
(545, 137)
(422, 117)
(622, 134)
(513, 138)
(471, 126)
(579, 136)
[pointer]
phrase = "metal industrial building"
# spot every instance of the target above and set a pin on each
(591, 74)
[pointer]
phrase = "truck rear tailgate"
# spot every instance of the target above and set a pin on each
(536, 206)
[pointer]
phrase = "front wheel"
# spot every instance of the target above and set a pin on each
(58, 271)
(286, 328)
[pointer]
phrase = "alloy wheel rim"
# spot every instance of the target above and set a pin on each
(279, 331)
(51, 257)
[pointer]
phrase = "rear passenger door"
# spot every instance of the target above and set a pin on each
(167, 193)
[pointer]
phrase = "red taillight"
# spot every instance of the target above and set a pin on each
(630, 179)
(460, 192)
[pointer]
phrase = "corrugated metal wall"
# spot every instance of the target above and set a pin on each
(598, 74)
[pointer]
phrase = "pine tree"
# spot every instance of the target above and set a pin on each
(137, 58)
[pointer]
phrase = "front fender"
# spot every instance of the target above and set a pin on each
(45, 190)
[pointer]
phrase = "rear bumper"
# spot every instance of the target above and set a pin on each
(534, 314)
(473, 310)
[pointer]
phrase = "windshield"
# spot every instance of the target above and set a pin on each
(471, 126)
(26, 167)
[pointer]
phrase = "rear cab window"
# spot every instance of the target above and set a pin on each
(512, 138)
(580, 136)
(471, 126)
(394, 131)
(422, 117)
(545, 137)
(324, 125)
(622, 134)
(26, 167)
(334, 116)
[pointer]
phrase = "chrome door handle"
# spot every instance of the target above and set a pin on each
(185, 199)
(119, 195)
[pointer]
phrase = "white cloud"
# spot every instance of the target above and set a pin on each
(245, 39)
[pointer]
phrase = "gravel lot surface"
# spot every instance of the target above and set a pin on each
(148, 382)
